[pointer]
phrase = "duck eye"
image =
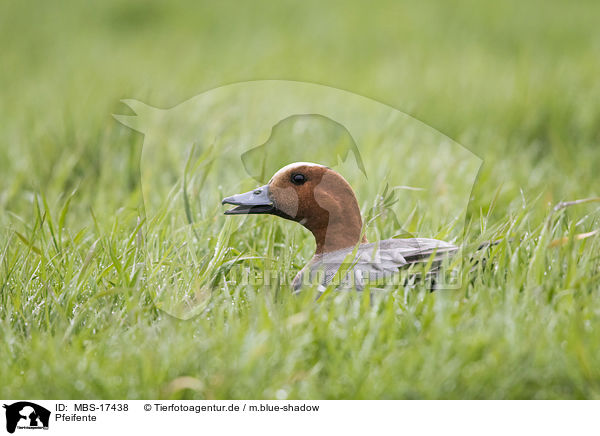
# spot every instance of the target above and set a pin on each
(298, 179)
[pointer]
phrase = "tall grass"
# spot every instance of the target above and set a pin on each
(515, 82)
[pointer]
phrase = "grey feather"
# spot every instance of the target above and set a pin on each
(373, 262)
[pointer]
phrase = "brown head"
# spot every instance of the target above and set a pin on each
(313, 195)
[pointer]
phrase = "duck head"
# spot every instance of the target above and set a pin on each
(313, 195)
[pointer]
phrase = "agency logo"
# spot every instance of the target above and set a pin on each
(26, 415)
(409, 182)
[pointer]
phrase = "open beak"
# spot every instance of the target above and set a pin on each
(251, 202)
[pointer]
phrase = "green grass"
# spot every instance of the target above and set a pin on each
(515, 82)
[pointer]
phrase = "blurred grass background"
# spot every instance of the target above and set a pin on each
(516, 82)
(512, 77)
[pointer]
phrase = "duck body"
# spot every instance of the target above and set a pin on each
(376, 262)
(321, 200)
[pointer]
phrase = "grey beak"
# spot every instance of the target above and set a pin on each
(251, 202)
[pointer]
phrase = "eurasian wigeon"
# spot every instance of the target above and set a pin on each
(321, 200)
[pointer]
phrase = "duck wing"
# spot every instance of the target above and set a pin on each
(374, 261)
